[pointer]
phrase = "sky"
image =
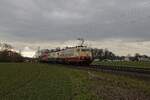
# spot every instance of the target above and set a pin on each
(122, 26)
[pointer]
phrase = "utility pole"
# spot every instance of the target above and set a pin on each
(20, 51)
(38, 52)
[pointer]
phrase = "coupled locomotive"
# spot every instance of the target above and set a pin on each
(81, 55)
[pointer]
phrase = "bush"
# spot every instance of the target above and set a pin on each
(10, 56)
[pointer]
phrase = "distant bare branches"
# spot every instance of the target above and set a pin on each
(5, 46)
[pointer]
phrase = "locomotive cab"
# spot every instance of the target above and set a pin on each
(84, 53)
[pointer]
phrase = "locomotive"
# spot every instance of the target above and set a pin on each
(80, 55)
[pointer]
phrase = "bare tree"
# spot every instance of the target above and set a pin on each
(5, 46)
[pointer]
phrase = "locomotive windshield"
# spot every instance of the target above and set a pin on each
(85, 50)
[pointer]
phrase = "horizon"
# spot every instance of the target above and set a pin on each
(28, 50)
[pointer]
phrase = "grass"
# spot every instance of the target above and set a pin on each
(23, 81)
(140, 64)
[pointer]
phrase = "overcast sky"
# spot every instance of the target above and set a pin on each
(119, 25)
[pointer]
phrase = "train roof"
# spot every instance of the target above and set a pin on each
(55, 50)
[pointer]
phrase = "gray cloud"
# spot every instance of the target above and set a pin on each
(38, 20)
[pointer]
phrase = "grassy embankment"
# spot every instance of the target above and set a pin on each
(140, 64)
(56, 82)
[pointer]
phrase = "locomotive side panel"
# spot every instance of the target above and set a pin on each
(78, 55)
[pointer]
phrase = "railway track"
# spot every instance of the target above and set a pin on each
(121, 68)
(134, 71)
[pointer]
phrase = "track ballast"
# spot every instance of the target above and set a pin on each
(143, 72)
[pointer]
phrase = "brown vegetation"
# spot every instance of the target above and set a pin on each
(10, 56)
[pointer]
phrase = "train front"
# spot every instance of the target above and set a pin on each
(85, 55)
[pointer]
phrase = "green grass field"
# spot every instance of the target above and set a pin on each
(141, 64)
(23, 81)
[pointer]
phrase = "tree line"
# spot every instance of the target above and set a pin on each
(105, 54)
(8, 55)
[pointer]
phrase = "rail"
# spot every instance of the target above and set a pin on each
(142, 72)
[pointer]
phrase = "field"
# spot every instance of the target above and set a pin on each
(140, 64)
(25, 81)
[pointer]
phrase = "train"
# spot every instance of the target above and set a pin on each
(79, 55)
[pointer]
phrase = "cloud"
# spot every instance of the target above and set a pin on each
(122, 47)
(28, 52)
(58, 20)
